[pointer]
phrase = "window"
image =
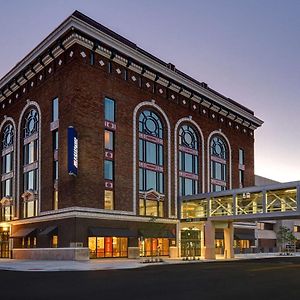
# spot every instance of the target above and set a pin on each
(188, 161)
(241, 168)
(31, 123)
(149, 207)
(55, 109)
(30, 155)
(109, 110)
(8, 136)
(55, 140)
(241, 178)
(55, 170)
(7, 188)
(6, 205)
(7, 163)
(30, 180)
(241, 157)
(218, 164)
(30, 152)
(108, 199)
(108, 169)
(54, 241)
(109, 140)
(151, 160)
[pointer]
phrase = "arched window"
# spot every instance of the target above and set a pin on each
(218, 164)
(30, 163)
(188, 161)
(7, 174)
(151, 161)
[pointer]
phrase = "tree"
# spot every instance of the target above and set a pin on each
(285, 237)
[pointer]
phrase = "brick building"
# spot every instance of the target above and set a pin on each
(100, 138)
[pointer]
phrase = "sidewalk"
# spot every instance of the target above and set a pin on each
(111, 264)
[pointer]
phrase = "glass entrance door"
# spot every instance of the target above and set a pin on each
(190, 243)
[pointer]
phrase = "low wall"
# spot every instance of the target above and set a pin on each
(51, 253)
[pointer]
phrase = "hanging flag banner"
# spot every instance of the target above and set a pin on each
(72, 151)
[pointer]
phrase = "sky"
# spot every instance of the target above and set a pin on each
(248, 50)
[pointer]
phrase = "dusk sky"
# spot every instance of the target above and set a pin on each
(246, 50)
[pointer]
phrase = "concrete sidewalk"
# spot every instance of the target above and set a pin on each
(111, 264)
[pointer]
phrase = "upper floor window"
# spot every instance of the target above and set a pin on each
(241, 157)
(151, 161)
(109, 140)
(150, 123)
(8, 136)
(218, 164)
(188, 161)
(7, 162)
(31, 123)
(30, 170)
(109, 110)
(55, 109)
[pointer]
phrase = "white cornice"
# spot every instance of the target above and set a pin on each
(73, 22)
(88, 213)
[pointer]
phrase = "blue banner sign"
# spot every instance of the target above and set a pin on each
(72, 151)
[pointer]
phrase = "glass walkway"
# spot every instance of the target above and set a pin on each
(277, 201)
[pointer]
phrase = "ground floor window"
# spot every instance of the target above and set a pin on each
(241, 244)
(29, 242)
(101, 247)
(54, 241)
(4, 244)
(154, 247)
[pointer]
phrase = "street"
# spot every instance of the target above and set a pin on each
(276, 278)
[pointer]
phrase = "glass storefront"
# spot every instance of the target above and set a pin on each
(154, 247)
(101, 247)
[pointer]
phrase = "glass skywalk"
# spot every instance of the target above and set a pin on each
(272, 201)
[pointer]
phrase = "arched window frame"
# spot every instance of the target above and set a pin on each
(22, 194)
(151, 163)
(8, 165)
(168, 193)
(215, 159)
(188, 120)
(188, 160)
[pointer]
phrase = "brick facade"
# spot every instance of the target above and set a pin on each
(81, 86)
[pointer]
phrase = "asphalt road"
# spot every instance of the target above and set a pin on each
(276, 278)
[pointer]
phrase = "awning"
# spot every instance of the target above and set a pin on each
(148, 233)
(106, 232)
(48, 230)
(266, 234)
(23, 232)
(244, 235)
(219, 235)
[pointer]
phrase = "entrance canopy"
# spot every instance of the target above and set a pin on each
(277, 201)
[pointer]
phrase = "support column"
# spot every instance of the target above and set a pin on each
(209, 235)
(228, 241)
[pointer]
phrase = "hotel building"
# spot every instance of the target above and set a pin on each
(99, 139)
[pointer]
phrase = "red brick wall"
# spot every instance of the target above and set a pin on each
(81, 89)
